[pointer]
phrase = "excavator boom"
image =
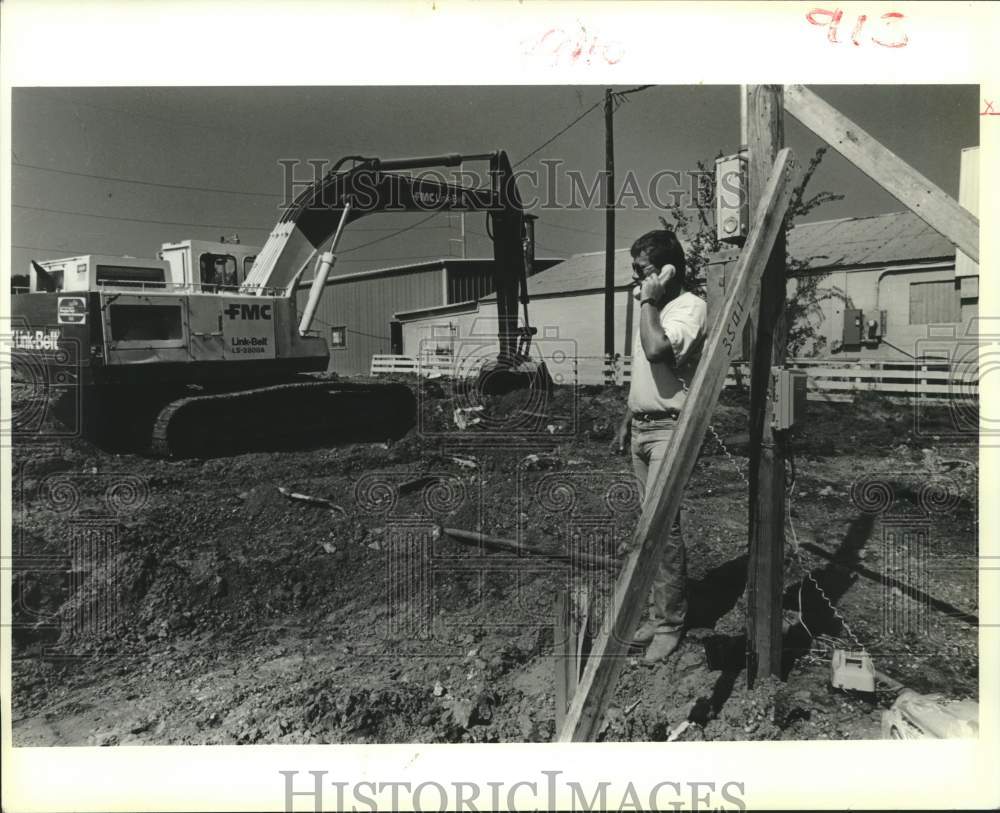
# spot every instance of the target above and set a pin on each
(181, 359)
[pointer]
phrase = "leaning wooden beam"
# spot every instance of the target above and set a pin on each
(929, 202)
(583, 720)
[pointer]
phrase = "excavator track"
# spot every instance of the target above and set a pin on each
(282, 417)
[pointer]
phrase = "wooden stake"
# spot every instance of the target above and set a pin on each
(928, 201)
(765, 136)
(564, 653)
(609, 224)
(587, 709)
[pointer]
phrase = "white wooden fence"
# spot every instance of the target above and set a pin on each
(827, 380)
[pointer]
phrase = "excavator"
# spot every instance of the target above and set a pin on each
(179, 366)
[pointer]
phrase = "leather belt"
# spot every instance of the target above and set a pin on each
(669, 414)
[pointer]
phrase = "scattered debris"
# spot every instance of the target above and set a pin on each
(678, 730)
(497, 543)
(294, 495)
(930, 716)
(465, 417)
(415, 484)
(536, 461)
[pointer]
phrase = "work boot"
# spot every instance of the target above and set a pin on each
(662, 647)
(645, 633)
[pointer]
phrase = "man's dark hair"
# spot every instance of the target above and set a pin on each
(663, 247)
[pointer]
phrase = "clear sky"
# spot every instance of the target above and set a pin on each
(188, 144)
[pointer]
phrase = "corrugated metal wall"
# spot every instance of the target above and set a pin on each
(469, 280)
(934, 302)
(466, 283)
(366, 307)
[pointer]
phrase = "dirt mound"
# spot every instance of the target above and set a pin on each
(236, 614)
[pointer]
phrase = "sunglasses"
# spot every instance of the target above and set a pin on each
(642, 271)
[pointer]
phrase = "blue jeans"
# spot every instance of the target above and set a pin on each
(667, 601)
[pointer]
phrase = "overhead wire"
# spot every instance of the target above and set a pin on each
(548, 141)
(146, 183)
(75, 252)
(174, 223)
(618, 94)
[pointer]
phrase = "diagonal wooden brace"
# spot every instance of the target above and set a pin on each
(589, 703)
(927, 201)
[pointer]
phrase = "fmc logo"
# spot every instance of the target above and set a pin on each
(245, 311)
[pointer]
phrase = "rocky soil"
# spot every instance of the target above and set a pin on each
(197, 601)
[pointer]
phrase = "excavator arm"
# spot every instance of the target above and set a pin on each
(319, 215)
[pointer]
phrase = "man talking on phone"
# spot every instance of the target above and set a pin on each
(665, 353)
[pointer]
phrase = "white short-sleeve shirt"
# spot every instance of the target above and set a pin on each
(655, 387)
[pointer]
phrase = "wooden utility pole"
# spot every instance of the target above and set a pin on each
(765, 135)
(607, 655)
(609, 227)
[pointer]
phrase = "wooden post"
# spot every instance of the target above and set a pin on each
(765, 136)
(583, 721)
(928, 201)
(609, 225)
(564, 653)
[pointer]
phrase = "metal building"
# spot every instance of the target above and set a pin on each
(892, 270)
(357, 311)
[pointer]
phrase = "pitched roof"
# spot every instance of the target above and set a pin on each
(845, 243)
(864, 241)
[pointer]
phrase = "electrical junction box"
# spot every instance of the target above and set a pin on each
(789, 398)
(854, 327)
(732, 209)
(852, 670)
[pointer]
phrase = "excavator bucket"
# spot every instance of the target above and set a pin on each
(500, 377)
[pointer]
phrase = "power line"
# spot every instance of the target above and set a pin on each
(72, 252)
(399, 231)
(47, 248)
(177, 223)
(582, 231)
(546, 143)
(147, 183)
(632, 90)
(138, 219)
(49, 96)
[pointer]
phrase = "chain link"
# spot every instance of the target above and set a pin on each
(718, 439)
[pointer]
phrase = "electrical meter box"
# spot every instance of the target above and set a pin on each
(732, 209)
(789, 398)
